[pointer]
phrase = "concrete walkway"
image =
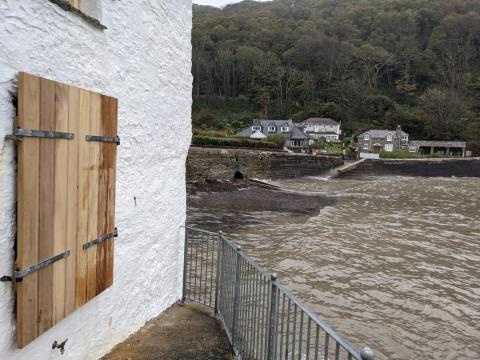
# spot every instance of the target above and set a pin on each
(182, 332)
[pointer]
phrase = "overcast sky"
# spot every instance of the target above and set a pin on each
(218, 2)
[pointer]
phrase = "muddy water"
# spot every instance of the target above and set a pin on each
(393, 263)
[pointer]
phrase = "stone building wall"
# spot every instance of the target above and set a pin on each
(222, 164)
(143, 58)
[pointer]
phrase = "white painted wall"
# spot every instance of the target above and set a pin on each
(143, 59)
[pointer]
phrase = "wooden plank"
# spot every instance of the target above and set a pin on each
(61, 200)
(112, 158)
(95, 128)
(47, 202)
(83, 198)
(72, 195)
(28, 208)
(103, 195)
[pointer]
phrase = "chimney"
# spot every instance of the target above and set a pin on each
(399, 131)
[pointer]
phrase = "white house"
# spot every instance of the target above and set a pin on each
(138, 52)
(327, 128)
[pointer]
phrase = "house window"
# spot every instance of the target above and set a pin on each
(284, 129)
(366, 137)
(405, 137)
(389, 137)
(296, 143)
(256, 128)
(365, 146)
(272, 129)
(389, 147)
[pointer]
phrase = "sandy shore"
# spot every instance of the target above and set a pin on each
(240, 196)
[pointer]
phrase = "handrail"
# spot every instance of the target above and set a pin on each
(246, 298)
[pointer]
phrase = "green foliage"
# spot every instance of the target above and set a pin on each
(397, 155)
(277, 139)
(369, 64)
(202, 140)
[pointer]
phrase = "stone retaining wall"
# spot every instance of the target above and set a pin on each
(224, 164)
(464, 167)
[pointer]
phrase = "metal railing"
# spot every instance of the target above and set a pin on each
(262, 319)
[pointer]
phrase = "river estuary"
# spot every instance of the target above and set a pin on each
(392, 263)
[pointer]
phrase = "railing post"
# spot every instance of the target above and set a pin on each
(236, 300)
(367, 353)
(185, 258)
(272, 331)
(219, 263)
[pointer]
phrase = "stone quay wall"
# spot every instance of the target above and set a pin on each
(205, 164)
(460, 167)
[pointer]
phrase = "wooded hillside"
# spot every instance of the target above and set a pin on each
(368, 63)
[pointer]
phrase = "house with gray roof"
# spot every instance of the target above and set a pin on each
(327, 128)
(376, 141)
(294, 133)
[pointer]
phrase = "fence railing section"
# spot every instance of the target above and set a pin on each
(262, 319)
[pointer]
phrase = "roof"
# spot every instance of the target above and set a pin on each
(265, 123)
(378, 134)
(258, 135)
(297, 133)
(320, 121)
(418, 143)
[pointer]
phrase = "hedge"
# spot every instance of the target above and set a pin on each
(234, 142)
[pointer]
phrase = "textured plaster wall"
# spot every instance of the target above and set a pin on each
(143, 59)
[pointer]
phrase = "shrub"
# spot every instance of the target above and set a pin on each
(397, 155)
(202, 140)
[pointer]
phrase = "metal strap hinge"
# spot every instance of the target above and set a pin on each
(100, 239)
(20, 274)
(19, 133)
(108, 139)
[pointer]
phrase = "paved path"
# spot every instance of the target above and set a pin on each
(181, 332)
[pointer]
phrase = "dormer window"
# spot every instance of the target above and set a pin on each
(256, 128)
(284, 128)
(272, 129)
(366, 137)
(389, 137)
(405, 137)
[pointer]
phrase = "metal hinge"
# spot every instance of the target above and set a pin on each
(109, 139)
(20, 274)
(100, 239)
(19, 133)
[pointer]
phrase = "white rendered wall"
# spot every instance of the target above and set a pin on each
(143, 59)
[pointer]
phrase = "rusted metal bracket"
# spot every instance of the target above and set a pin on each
(100, 239)
(19, 133)
(20, 274)
(108, 139)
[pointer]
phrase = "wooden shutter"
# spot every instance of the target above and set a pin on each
(66, 199)
(75, 3)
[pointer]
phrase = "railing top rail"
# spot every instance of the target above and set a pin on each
(343, 343)
(200, 230)
(247, 258)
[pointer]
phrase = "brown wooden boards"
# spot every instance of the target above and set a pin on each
(83, 196)
(47, 205)
(28, 208)
(95, 128)
(61, 199)
(66, 199)
(112, 160)
(72, 196)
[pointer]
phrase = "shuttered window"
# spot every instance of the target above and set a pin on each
(66, 201)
